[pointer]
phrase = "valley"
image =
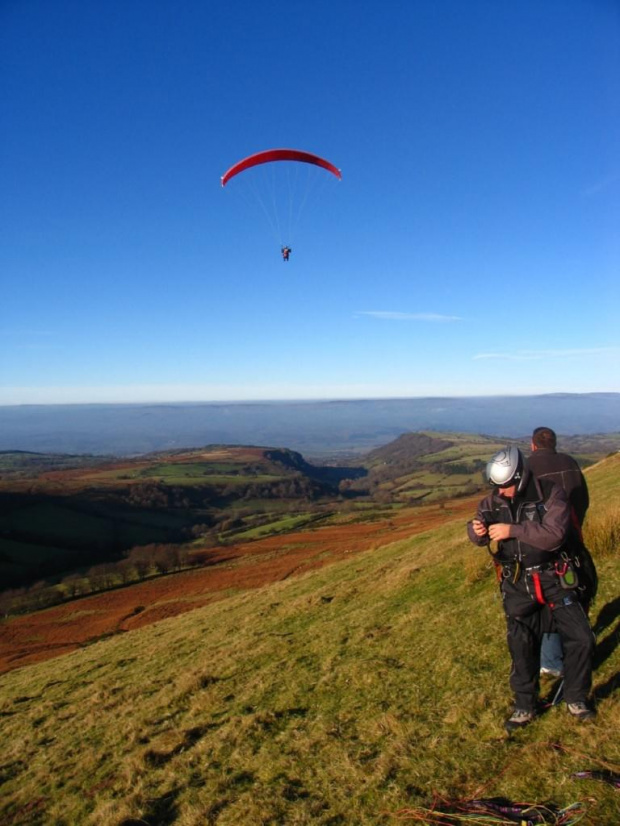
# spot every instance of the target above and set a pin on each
(90, 549)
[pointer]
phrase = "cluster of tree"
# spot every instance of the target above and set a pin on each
(158, 497)
(154, 496)
(298, 488)
(248, 470)
(295, 487)
(138, 564)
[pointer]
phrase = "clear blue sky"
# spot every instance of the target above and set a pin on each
(472, 247)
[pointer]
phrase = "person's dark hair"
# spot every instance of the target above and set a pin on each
(544, 437)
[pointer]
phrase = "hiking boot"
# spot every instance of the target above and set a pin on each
(581, 711)
(551, 672)
(518, 719)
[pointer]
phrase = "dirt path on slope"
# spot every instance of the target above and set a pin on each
(55, 631)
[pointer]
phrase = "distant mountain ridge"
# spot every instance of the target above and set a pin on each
(313, 428)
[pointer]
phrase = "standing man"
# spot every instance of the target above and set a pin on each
(530, 520)
(546, 463)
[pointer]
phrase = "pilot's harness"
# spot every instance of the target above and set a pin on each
(564, 567)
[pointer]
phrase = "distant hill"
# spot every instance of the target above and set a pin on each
(431, 466)
(313, 428)
(409, 447)
(427, 466)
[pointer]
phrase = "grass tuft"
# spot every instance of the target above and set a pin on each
(602, 532)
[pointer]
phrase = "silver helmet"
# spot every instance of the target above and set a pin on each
(506, 467)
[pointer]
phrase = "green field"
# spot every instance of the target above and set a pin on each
(203, 473)
(276, 526)
(357, 694)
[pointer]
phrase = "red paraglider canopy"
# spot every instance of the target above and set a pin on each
(279, 155)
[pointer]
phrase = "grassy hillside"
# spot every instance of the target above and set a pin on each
(350, 695)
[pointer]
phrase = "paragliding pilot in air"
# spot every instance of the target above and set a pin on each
(269, 156)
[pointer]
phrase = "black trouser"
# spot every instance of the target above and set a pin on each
(525, 634)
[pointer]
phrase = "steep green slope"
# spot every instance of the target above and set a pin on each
(341, 697)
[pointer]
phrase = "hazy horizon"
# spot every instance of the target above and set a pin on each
(309, 426)
(188, 399)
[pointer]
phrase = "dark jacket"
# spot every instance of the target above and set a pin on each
(541, 522)
(564, 471)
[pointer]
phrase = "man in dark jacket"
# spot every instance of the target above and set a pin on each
(530, 520)
(546, 463)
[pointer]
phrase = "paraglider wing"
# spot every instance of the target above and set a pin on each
(279, 155)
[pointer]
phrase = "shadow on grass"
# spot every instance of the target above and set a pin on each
(191, 737)
(602, 692)
(607, 615)
(162, 811)
(606, 647)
